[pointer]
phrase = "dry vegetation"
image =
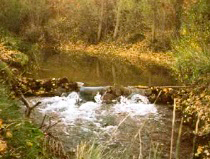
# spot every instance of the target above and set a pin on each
(173, 34)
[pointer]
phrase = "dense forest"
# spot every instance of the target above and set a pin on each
(164, 25)
(142, 35)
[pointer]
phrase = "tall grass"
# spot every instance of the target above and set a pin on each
(89, 151)
(97, 150)
(5, 71)
(179, 139)
(172, 131)
(92, 150)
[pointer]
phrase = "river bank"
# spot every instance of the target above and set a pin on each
(192, 102)
(107, 64)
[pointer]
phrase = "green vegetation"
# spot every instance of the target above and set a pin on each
(191, 50)
(192, 61)
(53, 23)
(5, 71)
(19, 50)
(23, 139)
(92, 150)
(140, 33)
(86, 151)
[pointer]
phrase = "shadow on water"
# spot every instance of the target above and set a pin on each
(100, 70)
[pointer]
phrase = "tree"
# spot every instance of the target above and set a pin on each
(154, 17)
(178, 7)
(101, 20)
(118, 16)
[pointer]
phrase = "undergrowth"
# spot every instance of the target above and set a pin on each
(192, 60)
(21, 138)
(88, 150)
(191, 50)
(27, 51)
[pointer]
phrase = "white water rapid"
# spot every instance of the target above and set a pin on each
(72, 109)
(117, 125)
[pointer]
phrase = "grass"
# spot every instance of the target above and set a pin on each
(97, 150)
(91, 150)
(24, 140)
(105, 150)
(5, 71)
(86, 151)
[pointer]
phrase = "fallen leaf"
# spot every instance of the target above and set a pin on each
(9, 134)
(3, 146)
(1, 123)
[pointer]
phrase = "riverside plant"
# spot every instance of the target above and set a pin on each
(23, 139)
(93, 150)
(86, 150)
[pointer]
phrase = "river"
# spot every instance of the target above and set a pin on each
(101, 70)
(124, 127)
(128, 128)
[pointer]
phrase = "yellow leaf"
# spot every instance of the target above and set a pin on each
(199, 150)
(3, 146)
(9, 134)
(29, 144)
(1, 123)
(202, 95)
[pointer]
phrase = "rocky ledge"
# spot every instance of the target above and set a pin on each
(45, 87)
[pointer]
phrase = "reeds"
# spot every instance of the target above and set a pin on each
(195, 135)
(172, 131)
(179, 139)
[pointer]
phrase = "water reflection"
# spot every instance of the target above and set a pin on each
(95, 70)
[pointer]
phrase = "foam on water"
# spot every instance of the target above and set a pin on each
(137, 105)
(68, 108)
(71, 109)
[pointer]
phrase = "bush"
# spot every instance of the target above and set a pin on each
(192, 60)
(191, 51)
(22, 138)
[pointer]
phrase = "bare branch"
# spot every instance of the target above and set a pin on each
(43, 120)
(35, 105)
(24, 100)
(51, 125)
(29, 108)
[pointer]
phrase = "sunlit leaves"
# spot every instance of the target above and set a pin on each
(9, 134)
(13, 57)
(3, 146)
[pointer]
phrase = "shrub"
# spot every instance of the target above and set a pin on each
(192, 61)
(23, 138)
(191, 51)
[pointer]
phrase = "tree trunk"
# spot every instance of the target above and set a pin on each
(117, 19)
(101, 21)
(114, 74)
(154, 25)
(178, 6)
(164, 27)
(98, 69)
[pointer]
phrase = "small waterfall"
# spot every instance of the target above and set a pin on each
(98, 99)
(72, 108)
(115, 124)
(137, 105)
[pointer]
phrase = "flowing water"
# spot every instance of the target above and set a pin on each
(128, 127)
